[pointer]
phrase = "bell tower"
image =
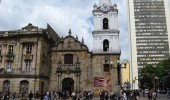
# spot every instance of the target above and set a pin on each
(105, 33)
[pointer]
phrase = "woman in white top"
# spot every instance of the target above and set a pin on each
(124, 96)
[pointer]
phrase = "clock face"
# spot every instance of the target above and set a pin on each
(105, 7)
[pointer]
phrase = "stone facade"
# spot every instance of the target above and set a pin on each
(25, 59)
(36, 59)
(46, 54)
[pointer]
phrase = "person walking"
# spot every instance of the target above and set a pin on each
(150, 94)
(154, 95)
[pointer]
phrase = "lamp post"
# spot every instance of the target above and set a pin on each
(78, 73)
(59, 74)
(155, 82)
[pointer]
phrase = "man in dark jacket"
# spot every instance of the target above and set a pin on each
(30, 95)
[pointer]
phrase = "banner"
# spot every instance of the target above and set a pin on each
(102, 82)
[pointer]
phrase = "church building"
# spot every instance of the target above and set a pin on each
(37, 59)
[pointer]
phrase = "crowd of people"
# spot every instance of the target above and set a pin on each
(124, 95)
(83, 95)
(51, 95)
(63, 95)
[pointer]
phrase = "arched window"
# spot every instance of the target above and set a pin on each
(68, 59)
(105, 45)
(24, 86)
(105, 23)
(6, 86)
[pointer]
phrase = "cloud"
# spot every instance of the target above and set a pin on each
(62, 15)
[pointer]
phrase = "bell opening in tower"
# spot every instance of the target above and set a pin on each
(105, 45)
(105, 23)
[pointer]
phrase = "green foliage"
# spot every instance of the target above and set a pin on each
(149, 72)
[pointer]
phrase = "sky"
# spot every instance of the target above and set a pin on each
(62, 15)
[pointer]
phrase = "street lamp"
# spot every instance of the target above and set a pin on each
(59, 74)
(155, 81)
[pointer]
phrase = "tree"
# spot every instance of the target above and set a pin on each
(148, 76)
(160, 70)
(164, 75)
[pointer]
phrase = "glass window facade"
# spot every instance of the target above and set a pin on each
(151, 31)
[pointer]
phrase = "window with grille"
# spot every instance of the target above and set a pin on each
(27, 65)
(9, 66)
(10, 49)
(28, 48)
(68, 59)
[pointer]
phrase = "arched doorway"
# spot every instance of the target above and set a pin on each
(24, 85)
(6, 86)
(68, 84)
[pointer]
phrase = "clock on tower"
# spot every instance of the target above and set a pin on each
(105, 7)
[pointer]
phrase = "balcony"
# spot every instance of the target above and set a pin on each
(28, 56)
(12, 73)
(9, 56)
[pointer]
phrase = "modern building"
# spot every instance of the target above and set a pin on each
(149, 33)
(36, 59)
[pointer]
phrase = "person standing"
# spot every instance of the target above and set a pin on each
(14, 96)
(30, 95)
(124, 96)
(1, 95)
(73, 95)
(46, 97)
